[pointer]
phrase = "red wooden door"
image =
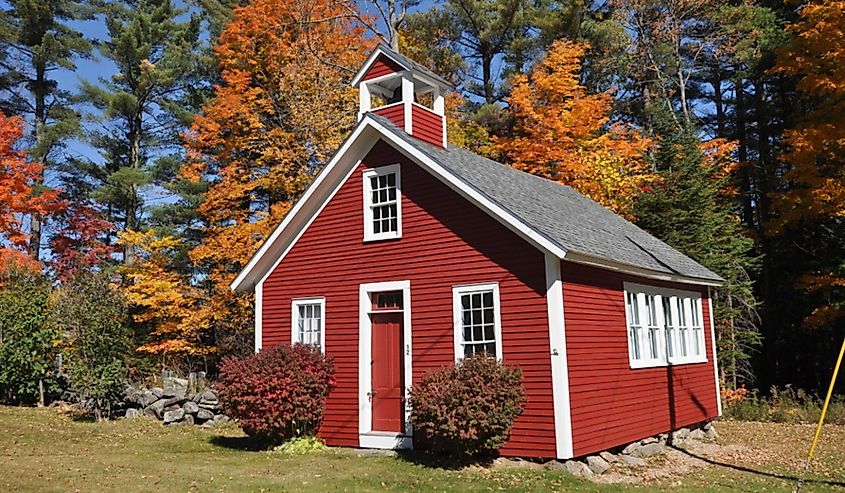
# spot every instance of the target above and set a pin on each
(387, 373)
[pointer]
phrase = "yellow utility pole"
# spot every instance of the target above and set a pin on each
(821, 418)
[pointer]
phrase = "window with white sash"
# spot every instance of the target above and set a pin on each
(382, 203)
(308, 319)
(665, 326)
(477, 318)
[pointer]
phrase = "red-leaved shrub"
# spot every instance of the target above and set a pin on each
(277, 393)
(468, 408)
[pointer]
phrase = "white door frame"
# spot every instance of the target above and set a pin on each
(367, 438)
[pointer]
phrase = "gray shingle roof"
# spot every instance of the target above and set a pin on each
(558, 212)
(410, 64)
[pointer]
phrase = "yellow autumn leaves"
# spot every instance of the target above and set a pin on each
(564, 133)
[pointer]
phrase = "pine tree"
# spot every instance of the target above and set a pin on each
(483, 31)
(691, 211)
(143, 108)
(38, 39)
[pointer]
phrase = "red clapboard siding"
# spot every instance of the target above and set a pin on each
(612, 404)
(427, 125)
(395, 113)
(445, 242)
(382, 66)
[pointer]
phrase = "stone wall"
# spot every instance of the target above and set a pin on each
(177, 401)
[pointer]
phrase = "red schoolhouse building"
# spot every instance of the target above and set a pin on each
(408, 253)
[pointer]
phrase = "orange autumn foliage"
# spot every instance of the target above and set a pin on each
(563, 133)
(815, 56)
(163, 300)
(19, 196)
(13, 260)
(283, 106)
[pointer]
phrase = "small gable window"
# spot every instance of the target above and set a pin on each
(664, 326)
(307, 323)
(382, 203)
(478, 326)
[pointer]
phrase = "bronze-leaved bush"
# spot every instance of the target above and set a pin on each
(468, 408)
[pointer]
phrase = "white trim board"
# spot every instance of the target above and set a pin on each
(310, 204)
(558, 359)
(259, 315)
(712, 314)
(314, 200)
(366, 437)
(380, 50)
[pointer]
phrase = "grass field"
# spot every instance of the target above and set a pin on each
(41, 450)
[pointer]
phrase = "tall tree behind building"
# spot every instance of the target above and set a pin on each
(141, 109)
(563, 133)
(283, 107)
(809, 208)
(38, 39)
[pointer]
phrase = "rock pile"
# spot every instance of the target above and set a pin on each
(634, 454)
(178, 401)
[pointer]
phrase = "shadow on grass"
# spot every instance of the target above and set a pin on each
(246, 444)
(442, 461)
(757, 471)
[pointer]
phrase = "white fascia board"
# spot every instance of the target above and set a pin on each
(354, 149)
(580, 258)
(307, 207)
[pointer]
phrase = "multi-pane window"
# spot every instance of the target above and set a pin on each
(664, 326)
(654, 327)
(697, 329)
(382, 203)
(634, 325)
(671, 326)
(308, 321)
(477, 320)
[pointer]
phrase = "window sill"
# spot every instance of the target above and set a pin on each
(368, 239)
(640, 365)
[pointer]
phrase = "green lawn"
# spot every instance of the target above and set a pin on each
(43, 451)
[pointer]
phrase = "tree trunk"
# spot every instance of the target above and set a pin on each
(486, 77)
(132, 207)
(393, 24)
(764, 151)
(717, 101)
(742, 155)
(40, 88)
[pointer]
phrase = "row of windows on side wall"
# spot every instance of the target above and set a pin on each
(665, 326)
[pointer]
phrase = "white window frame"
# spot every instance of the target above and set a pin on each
(665, 340)
(369, 235)
(294, 319)
(457, 316)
